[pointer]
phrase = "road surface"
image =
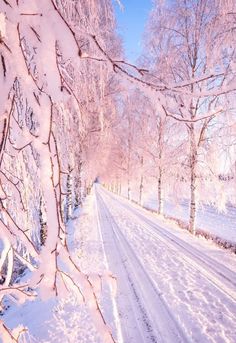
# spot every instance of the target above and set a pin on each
(171, 287)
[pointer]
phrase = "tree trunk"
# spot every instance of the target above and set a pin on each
(117, 186)
(78, 186)
(120, 189)
(128, 189)
(141, 184)
(43, 222)
(6, 279)
(69, 195)
(160, 171)
(141, 191)
(193, 179)
(129, 157)
(160, 193)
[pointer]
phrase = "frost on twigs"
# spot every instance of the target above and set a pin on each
(46, 125)
(2, 26)
(11, 336)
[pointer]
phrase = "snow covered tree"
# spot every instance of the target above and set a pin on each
(41, 47)
(192, 57)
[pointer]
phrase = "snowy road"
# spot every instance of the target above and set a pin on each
(172, 287)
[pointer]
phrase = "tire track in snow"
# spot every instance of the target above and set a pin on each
(220, 276)
(133, 330)
(155, 313)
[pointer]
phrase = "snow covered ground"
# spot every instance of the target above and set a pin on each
(68, 320)
(219, 223)
(170, 286)
(185, 287)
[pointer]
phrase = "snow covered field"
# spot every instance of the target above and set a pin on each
(170, 286)
(218, 223)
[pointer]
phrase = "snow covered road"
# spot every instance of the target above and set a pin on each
(172, 287)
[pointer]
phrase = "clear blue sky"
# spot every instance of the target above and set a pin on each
(131, 23)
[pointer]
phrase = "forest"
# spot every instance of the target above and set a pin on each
(74, 110)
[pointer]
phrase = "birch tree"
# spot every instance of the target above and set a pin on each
(192, 41)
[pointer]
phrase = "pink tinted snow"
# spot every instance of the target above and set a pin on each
(221, 224)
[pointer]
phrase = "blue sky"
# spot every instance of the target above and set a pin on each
(131, 23)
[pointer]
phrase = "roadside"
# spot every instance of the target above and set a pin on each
(168, 285)
(216, 226)
(68, 320)
(194, 279)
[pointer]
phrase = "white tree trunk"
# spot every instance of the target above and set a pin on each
(160, 193)
(141, 191)
(128, 189)
(193, 180)
(141, 184)
(9, 256)
(119, 189)
(160, 168)
(69, 202)
(78, 188)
